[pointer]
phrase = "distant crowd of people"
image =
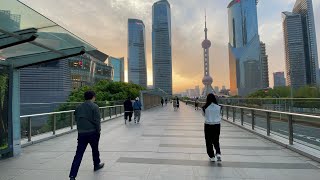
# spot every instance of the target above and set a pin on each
(87, 116)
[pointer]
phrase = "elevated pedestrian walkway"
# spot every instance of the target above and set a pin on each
(166, 145)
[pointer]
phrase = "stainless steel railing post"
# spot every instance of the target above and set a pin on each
(29, 129)
(54, 124)
(290, 128)
(227, 112)
(233, 114)
(241, 113)
(252, 119)
(268, 124)
(72, 120)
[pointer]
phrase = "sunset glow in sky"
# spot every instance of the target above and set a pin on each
(103, 23)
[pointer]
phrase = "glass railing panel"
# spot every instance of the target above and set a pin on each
(279, 124)
(260, 120)
(306, 130)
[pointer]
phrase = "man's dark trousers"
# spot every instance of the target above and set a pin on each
(84, 139)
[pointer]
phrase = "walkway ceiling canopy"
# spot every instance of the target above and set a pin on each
(27, 37)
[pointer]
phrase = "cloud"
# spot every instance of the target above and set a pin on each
(103, 23)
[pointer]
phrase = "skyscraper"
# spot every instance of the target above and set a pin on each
(264, 66)
(137, 70)
(294, 50)
(278, 79)
(305, 9)
(161, 46)
(118, 68)
(244, 47)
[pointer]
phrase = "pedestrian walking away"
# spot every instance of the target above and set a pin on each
(128, 109)
(166, 101)
(137, 110)
(196, 104)
(162, 102)
(212, 126)
(88, 120)
(178, 103)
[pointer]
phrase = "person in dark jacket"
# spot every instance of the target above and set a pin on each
(137, 110)
(88, 120)
(128, 109)
(162, 101)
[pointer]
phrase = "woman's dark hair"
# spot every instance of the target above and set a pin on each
(89, 95)
(211, 98)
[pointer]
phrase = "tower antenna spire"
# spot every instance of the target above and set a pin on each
(205, 23)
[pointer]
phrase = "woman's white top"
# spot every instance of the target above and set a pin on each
(212, 114)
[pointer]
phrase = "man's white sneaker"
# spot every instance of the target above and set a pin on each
(212, 159)
(218, 157)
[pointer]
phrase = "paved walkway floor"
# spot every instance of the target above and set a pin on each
(167, 145)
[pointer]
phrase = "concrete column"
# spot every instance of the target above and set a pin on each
(14, 109)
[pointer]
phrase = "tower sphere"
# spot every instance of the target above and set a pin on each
(207, 80)
(206, 44)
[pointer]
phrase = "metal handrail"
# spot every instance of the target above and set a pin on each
(61, 112)
(265, 110)
(271, 111)
(72, 118)
(226, 108)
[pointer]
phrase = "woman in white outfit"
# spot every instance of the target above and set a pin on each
(211, 112)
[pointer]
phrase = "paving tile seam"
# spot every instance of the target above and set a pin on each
(231, 154)
(247, 165)
(222, 147)
(221, 137)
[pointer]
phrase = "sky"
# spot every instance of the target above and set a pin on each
(103, 23)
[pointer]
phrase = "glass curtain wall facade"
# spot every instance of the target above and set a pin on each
(279, 79)
(44, 83)
(244, 48)
(294, 50)
(137, 69)
(87, 70)
(118, 68)
(305, 9)
(161, 46)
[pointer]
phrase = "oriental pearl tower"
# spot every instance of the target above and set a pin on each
(207, 79)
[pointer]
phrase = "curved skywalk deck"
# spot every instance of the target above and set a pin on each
(166, 145)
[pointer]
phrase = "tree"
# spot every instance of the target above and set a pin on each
(3, 110)
(106, 91)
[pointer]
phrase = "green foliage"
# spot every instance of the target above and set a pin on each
(106, 92)
(3, 110)
(284, 92)
(277, 92)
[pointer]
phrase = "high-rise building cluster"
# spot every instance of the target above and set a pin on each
(161, 49)
(248, 60)
(302, 66)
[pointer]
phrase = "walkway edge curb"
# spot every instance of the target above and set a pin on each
(313, 156)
